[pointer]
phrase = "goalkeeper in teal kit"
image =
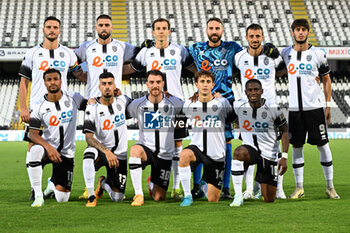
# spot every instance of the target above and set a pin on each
(217, 56)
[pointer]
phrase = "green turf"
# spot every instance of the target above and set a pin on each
(314, 213)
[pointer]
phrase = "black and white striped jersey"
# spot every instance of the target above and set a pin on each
(303, 67)
(58, 121)
(108, 124)
(156, 123)
(208, 125)
(259, 127)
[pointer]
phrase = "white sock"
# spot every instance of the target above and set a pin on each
(136, 174)
(35, 169)
(27, 164)
(175, 167)
(204, 188)
(61, 196)
(279, 181)
(237, 170)
(115, 196)
(150, 185)
(249, 177)
(327, 164)
(89, 175)
(185, 178)
(298, 166)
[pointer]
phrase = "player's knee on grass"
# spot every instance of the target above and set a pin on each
(62, 196)
(36, 153)
(213, 193)
(159, 194)
(268, 192)
(117, 196)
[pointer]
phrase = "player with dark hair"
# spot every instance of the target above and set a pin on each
(169, 58)
(49, 54)
(57, 114)
(259, 122)
(252, 63)
(107, 139)
(208, 143)
(309, 108)
(156, 114)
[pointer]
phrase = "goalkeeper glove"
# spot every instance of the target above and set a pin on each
(271, 51)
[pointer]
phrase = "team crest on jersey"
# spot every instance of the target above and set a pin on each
(266, 61)
(166, 108)
(66, 103)
(308, 57)
(114, 48)
(215, 107)
(264, 115)
(172, 52)
(119, 107)
(62, 54)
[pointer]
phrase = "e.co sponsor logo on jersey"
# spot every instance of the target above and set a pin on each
(44, 65)
(292, 69)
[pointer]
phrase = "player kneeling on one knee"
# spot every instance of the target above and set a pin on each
(259, 123)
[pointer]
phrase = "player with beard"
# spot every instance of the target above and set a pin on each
(57, 115)
(217, 56)
(104, 54)
(252, 63)
(309, 108)
(156, 114)
(49, 54)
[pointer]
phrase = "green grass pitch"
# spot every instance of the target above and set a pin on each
(314, 213)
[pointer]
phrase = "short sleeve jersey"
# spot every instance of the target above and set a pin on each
(303, 67)
(170, 61)
(38, 59)
(104, 58)
(58, 120)
(156, 123)
(208, 125)
(108, 124)
(219, 61)
(262, 68)
(259, 127)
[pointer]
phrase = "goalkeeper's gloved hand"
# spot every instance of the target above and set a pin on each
(271, 51)
(147, 43)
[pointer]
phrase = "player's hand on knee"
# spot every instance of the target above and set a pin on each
(271, 51)
(53, 155)
(282, 166)
(112, 159)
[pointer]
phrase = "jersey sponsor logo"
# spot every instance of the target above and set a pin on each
(302, 68)
(56, 64)
(154, 120)
(258, 126)
(117, 121)
(168, 64)
(217, 64)
(108, 61)
(208, 121)
(260, 73)
(65, 117)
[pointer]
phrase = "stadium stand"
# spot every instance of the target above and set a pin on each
(330, 20)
